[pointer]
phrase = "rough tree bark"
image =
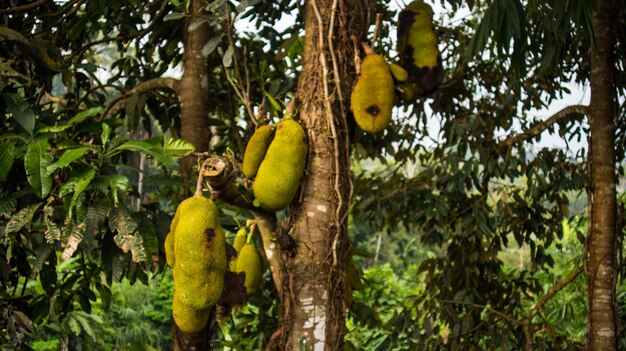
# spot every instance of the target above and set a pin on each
(313, 273)
(193, 88)
(602, 241)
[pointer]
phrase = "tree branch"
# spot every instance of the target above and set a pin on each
(540, 127)
(555, 289)
(141, 88)
(22, 8)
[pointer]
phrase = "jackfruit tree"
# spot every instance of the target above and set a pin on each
(110, 112)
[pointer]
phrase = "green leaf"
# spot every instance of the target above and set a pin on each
(7, 152)
(227, 59)
(210, 46)
(127, 238)
(76, 236)
(106, 133)
(20, 219)
(114, 182)
(173, 16)
(81, 116)
(146, 148)
(77, 184)
(68, 157)
(176, 147)
(36, 161)
(21, 111)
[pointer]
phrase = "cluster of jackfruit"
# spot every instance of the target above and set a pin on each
(276, 157)
(248, 261)
(419, 52)
(195, 248)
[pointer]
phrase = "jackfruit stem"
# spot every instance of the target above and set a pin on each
(367, 49)
(252, 228)
(200, 179)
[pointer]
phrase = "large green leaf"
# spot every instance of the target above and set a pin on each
(21, 111)
(68, 157)
(36, 160)
(176, 147)
(147, 149)
(81, 116)
(6, 159)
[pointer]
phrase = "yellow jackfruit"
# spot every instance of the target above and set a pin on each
(398, 73)
(418, 47)
(249, 262)
(255, 150)
(188, 319)
(169, 249)
(372, 98)
(199, 249)
(240, 239)
(277, 180)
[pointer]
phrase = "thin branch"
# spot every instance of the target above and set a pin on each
(141, 88)
(22, 8)
(376, 28)
(486, 308)
(555, 289)
(266, 223)
(540, 127)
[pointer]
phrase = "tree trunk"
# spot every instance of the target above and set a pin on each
(193, 95)
(602, 242)
(193, 88)
(313, 274)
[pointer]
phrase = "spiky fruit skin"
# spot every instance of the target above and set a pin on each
(277, 180)
(372, 98)
(418, 47)
(200, 262)
(249, 262)
(255, 150)
(187, 318)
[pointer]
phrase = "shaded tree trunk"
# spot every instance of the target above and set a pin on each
(313, 274)
(193, 88)
(601, 258)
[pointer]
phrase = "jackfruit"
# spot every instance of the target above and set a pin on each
(398, 73)
(255, 150)
(249, 262)
(277, 180)
(169, 249)
(418, 47)
(240, 239)
(188, 319)
(372, 98)
(200, 254)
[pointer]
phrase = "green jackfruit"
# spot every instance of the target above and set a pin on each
(255, 150)
(169, 249)
(418, 47)
(372, 97)
(249, 262)
(199, 249)
(188, 319)
(277, 180)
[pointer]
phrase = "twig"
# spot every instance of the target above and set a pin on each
(540, 127)
(22, 8)
(486, 308)
(141, 88)
(376, 28)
